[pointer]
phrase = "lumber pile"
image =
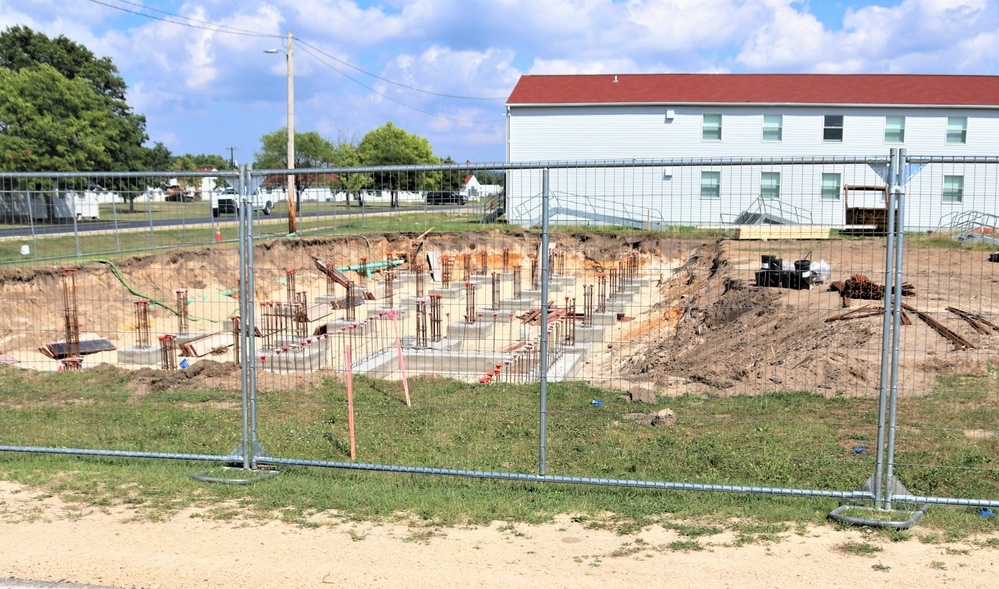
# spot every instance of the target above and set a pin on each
(867, 311)
(859, 286)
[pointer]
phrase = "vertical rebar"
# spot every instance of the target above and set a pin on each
(613, 284)
(349, 303)
(363, 272)
(466, 260)
(601, 293)
(290, 285)
(419, 279)
(469, 303)
(506, 260)
(587, 305)
(483, 263)
(570, 317)
(182, 315)
(517, 287)
(168, 349)
(142, 324)
(236, 348)
(535, 277)
(448, 273)
(71, 313)
(496, 291)
(421, 323)
(435, 317)
(390, 288)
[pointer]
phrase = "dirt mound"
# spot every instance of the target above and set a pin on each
(722, 332)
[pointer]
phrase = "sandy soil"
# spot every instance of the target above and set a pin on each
(47, 539)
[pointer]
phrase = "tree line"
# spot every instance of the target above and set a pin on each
(64, 109)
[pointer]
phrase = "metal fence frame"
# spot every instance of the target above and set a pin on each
(250, 454)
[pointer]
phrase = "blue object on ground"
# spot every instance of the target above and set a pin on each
(597, 402)
(858, 449)
(184, 363)
(986, 512)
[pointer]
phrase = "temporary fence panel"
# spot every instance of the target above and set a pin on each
(107, 313)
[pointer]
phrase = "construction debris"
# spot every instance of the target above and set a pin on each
(977, 322)
(89, 343)
(867, 311)
(859, 286)
(959, 342)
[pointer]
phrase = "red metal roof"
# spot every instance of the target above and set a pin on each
(866, 89)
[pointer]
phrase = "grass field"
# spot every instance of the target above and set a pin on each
(800, 440)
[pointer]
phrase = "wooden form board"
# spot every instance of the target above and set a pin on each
(766, 232)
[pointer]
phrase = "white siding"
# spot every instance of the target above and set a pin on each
(643, 132)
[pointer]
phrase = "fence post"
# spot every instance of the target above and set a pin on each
(886, 328)
(246, 356)
(898, 159)
(543, 343)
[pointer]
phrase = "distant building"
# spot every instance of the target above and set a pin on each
(683, 116)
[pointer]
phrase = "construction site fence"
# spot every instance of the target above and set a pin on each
(723, 324)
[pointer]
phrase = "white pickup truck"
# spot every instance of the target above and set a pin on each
(226, 202)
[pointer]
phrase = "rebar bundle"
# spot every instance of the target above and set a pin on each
(483, 263)
(587, 305)
(466, 260)
(496, 291)
(506, 260)
(601, 293)
(518, 290)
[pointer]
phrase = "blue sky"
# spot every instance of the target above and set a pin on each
(443, 68)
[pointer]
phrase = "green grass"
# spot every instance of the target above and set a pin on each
(794, 439)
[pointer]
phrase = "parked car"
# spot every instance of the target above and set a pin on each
(445, 197)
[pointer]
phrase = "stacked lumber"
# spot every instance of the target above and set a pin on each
(859, 286)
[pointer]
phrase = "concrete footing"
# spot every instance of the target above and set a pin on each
(143, 356)
(472, 331)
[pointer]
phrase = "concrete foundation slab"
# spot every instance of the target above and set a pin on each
(449, 293)
(521, 304)
(590, 334)
(473, 331)
(497, 316)
(604, 319)
(143, 356)
(360, 327)
(308, 358)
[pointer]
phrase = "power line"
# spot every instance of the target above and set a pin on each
(212, 26)
(387, 97)
(185, 20)
(401, 85)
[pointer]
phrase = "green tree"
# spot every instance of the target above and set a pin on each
(389, 145)
(49, 122)
(311, 151)
(22, 49)
(347, 155)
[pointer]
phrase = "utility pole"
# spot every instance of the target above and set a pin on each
(292, 224)
(232, 157)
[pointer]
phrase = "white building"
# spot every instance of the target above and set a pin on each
(675, 117)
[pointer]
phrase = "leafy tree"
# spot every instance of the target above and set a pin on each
(389, 145)
(347, 155)
(158, 157)
(311, 151)
(122, 131)
(49, 122)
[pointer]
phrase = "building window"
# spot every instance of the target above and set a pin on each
(957, 129)
(832, 129)
(953, 189)
(710, 184)
(894, 129)
(830, 186)
(712, 128)
(770, 185)
(773, 127)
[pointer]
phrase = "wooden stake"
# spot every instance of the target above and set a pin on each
(402, 362)
(350, 405)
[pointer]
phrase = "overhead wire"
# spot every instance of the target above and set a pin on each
(308, 48)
